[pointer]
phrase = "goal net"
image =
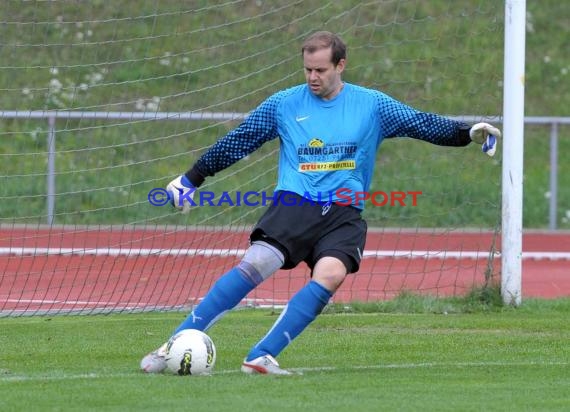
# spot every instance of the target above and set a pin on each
(102, 102)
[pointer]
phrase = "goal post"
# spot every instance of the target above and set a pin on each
(137, 91)
(513, 130)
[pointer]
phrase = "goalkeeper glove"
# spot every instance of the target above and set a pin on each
(181, 193)
(486, 135)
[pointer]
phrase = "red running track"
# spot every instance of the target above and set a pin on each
(93, 269)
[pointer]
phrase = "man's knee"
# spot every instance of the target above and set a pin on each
(261, 261)
(329, 272)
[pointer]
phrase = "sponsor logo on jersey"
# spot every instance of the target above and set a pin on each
(315, 142)
(318, 156)
(327, 166)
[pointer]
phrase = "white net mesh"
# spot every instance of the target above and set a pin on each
(104, 101)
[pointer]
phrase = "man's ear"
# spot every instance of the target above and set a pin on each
(340, 66)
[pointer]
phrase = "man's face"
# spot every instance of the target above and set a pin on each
(322, 76)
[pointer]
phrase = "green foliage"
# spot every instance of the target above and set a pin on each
(440, 56)
(479, 299)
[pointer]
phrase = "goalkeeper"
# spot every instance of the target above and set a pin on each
(329, 132)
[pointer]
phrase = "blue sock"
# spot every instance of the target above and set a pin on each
(226, 293)
(301, 310)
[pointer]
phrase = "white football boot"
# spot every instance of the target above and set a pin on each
(265, 365)
(155, 362)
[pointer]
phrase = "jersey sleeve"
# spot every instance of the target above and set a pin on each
(259, 127)
(401, 120)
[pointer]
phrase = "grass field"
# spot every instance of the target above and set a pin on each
(494, 360)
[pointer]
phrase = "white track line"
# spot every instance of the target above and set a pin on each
(72, 302)
(135, 252)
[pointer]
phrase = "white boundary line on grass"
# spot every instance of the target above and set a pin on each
(4, 377)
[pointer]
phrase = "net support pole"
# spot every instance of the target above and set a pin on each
(50, 177)
(513, 131)
(553, 204)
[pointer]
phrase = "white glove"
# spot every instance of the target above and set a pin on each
(486, 135)
(181, 193)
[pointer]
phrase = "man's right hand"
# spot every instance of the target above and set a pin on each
(181, 193)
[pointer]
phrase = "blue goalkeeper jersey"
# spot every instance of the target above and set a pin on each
(328, 147)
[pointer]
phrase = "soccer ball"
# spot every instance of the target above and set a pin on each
(190, 352)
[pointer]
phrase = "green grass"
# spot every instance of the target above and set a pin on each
(505, 359)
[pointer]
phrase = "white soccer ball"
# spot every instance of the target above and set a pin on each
(190, 352)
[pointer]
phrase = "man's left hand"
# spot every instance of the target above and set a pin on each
(486, 135)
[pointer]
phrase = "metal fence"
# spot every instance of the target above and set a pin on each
(52, 116)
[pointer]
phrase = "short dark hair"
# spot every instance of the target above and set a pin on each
(325, 40)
